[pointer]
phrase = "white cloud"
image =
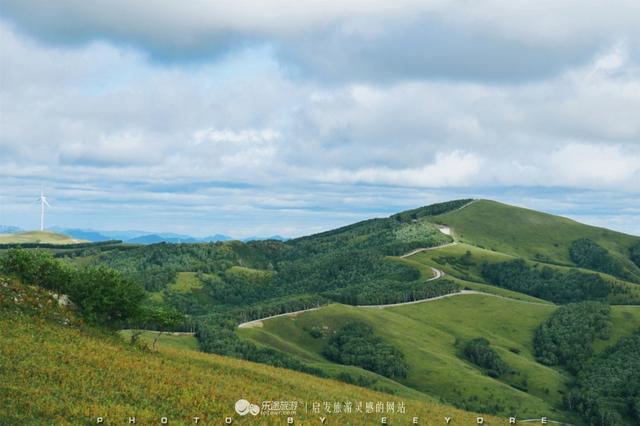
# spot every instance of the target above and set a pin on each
(235, 137)
(596, 166)
(246, 134)
(449, 169)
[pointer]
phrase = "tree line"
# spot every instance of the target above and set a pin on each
(548, 283)
(634, 254)
(588, 254)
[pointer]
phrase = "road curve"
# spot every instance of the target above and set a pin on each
(258, 322)
(437, 273)
(411, 253)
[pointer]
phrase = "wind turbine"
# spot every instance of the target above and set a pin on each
(43, 202)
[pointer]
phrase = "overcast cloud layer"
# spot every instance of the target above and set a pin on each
(256, 118)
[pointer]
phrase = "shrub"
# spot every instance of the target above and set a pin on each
(479, 352)
(102, 295)
(355, 344)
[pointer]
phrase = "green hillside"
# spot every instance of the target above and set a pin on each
(466, 262)
(430, 335)
(523, 264)
(531, 234)
(53, 370)
(37, 237)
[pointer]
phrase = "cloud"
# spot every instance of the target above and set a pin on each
(429, 47)
(449, 169)
(234, 141)
(596, 166)
(357, 40)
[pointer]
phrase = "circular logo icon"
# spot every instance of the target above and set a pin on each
(254, 410)
(243, 407)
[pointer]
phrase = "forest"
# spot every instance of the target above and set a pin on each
(548, 283)
(566, 338)
(588, 254)
(339, 263)
(634, 254)
(607, 390)
(355, 344)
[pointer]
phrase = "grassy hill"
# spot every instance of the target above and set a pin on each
(54, 370)
(468, 272)
(430, 335)
(530, 234)
(38, 237)
(220, 285)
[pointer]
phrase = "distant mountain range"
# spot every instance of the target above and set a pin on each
(5, 229)
(137, 237)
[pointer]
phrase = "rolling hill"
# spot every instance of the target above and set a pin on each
(54, 370)
(430, 333)
(38, 237)
(461, 271)
(530, 234)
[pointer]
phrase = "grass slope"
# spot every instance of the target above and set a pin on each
(55, 371)
(531, 234)
(449, 260)
(430, 333)
(37, 237)
(166, 340)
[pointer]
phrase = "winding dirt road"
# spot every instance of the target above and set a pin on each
(437, 275)
(411, 253)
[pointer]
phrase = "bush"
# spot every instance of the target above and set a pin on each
(479, 352)
(355, 344)
(102, 295)
(37, 267)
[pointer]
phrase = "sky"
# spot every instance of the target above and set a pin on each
(249, 117)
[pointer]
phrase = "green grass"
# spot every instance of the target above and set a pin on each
(531, 234)
(425, 270)
(429, 334)
(55, 371)
(186, 282)
(37, 237)
(250, 274)
(418, 231)
(625, 321)
(166, 340)
(437, 258)
(470, 276)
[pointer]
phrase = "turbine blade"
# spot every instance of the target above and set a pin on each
(46, 202)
